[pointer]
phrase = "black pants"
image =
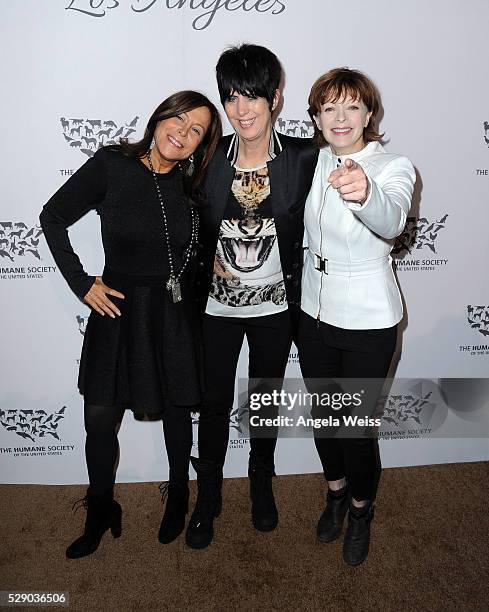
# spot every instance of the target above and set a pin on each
(327, 351)
(102, 448)
(269, 339)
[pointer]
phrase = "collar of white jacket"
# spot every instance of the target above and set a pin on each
(368, 149)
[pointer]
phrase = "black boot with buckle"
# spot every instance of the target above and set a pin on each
(330, 523)
(103, 513)
(173, 521)
(357, 536)
(200, 530)
(264, 514)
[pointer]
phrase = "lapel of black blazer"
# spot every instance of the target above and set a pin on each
(218, 185)
(222, 180)
(277, 172)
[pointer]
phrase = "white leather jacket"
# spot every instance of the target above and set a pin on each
(355, 287)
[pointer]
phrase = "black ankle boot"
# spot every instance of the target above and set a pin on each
(357, 536)
(173, 522)
(264, 514)
(330, 523)
(103, 513)
(200, 530)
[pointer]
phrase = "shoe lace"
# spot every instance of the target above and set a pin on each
(175, 495)
(163, 487)
(83, 502)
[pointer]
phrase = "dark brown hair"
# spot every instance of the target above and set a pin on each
(337, 84)
(177, 103)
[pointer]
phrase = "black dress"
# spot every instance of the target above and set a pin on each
(147, 358)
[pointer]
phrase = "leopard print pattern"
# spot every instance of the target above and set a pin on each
(234, 294)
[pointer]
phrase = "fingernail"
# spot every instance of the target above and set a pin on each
(112, 315)
(118, 312)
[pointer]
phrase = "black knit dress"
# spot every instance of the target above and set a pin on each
(147, 358)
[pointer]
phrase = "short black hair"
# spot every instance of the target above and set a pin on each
(250, 70)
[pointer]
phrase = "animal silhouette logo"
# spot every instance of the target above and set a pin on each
(32, 424)
(89, 135)
(19, 240)
(238, 419)
(82, 323)
(405, 410)
(295, 127)
(486, 132)
(478, 318)
(419, 233)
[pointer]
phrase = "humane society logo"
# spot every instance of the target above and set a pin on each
(295, 127)
(18, 240)
(478, 318)
(89, 135)
(20, 251)
(238, 419)
(239, 426)
(484, 172)
(37, 427)
(293, 356)
(82, 323)
(413, 412)
(477, 321)
(32, 424)
(419, 235)
(405, 408)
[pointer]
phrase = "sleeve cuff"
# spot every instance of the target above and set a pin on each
(83, 287)
(355, 206)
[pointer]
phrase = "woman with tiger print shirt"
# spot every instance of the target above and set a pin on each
(251, 233)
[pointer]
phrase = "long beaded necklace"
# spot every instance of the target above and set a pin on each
(173, 283)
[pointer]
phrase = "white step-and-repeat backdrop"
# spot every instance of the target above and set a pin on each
(78, 74)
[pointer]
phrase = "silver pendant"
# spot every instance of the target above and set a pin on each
(173, 285)
(176, 293)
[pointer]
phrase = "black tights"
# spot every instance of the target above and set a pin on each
(102, 447)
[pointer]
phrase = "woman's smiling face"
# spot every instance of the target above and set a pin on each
(177, 138)
(342, 124)
(250, 117)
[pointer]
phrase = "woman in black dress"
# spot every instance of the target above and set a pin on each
(140, 347)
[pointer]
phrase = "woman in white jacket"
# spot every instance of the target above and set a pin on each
(357, 205)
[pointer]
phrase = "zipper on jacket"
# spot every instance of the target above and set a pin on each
(318, 318)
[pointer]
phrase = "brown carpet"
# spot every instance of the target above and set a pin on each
(429, 551)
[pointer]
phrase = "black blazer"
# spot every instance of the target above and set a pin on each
(291, 173)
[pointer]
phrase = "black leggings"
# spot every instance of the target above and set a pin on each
(102, 447)
(269, 339)
(327, 351)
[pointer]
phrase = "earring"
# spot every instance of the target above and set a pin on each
(190, 167)
(153, 142)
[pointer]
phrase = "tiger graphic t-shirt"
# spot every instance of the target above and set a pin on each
(247, 279)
